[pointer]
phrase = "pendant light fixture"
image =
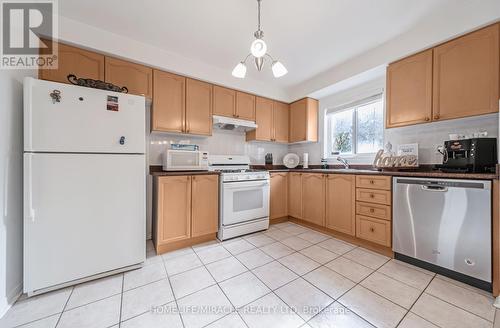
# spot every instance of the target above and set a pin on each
(258, 49)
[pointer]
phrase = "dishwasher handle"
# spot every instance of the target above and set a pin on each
(434, 188)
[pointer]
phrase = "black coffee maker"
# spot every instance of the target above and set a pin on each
(475, 155)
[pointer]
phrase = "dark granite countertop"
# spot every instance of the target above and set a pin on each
(424, 172)
(157, 171)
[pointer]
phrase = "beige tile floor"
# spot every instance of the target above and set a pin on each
(289, 276)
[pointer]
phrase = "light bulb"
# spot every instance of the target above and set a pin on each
(258, 48)
(278, 69)
(240, 70)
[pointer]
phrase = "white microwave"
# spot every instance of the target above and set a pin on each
(185, 160)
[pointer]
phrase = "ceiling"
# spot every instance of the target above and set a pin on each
(309, 37)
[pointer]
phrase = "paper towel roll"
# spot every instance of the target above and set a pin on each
(305, 160)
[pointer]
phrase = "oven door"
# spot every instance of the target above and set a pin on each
(244, 201)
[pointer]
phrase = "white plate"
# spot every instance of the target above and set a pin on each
(291, 160)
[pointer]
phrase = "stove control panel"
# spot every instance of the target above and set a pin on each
(249, 176)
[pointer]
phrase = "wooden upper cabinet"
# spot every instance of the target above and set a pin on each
(264, 120)
(245, 106)
(198, 107)
(169, 102)
(295, 194)
(224, 101)
(205, 205)
(313, 198)
(466, 75)
(409, 90)
(138, 79)
(279, 192)
(281, 121)
(304, 120)
(173, 212)
(341, 203)
(272, 121)
(72, 60)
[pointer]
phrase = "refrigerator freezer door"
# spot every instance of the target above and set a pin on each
(66, 118)
(84, 214)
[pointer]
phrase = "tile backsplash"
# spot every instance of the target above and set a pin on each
(430, 136)
(220, 143)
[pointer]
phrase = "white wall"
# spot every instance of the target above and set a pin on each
(11, 197)
(428, 136)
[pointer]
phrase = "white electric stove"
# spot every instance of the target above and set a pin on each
(244, 196)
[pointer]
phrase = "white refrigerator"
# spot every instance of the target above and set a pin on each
(84, 184)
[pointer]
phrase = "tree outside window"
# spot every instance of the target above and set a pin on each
(358, 129)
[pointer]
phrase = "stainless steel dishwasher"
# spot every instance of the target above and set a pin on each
(444, 225)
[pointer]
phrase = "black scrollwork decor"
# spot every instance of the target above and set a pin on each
(96, 84)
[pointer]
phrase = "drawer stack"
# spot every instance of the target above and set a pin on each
(373, 209)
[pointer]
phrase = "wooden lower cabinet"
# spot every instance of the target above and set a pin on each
(374, 210)
(295, 195)
(334, 203)
(341, 203)
(186, 209)
(374, 196)
(204, 204)
(173, 209)
(279, 195)
(373, 182)
(374, 230)
(313, 198)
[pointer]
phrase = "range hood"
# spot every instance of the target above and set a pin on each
(233, 124)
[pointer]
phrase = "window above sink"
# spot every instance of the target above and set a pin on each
(355, 129)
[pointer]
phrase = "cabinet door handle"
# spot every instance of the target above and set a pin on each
(427, 119)
(372, 229)
(372, 182)
(372, 196)
(372, 210)
(436, 117)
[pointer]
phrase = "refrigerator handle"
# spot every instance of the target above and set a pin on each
(31, 211)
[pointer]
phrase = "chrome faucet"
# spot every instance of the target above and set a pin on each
(343, 161)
